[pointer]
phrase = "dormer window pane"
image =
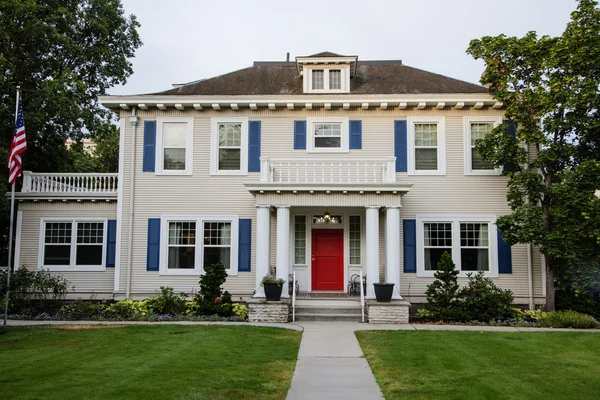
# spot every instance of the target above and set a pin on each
(335, 79)
(318, 79)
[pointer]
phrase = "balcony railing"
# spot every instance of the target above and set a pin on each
(320, 170)
(75, 183)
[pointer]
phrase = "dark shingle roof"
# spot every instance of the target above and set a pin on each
(281, 78)
(325, 54)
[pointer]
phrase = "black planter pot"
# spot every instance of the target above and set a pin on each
(383, 292)
(273, 291)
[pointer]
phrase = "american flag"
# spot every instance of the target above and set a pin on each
(17, 146)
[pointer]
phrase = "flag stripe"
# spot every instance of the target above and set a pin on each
(17, 146)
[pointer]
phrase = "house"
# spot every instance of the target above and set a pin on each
(323, 166)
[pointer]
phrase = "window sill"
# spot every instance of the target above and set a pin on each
(59, 268)
(461, 274)
(191, 272)
(174, 173)
(230, 173)
(328, 151)
(427, 173)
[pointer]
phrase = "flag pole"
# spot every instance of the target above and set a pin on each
(10, 229)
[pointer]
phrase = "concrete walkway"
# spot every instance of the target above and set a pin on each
(331, 365)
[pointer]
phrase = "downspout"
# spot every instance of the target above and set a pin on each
(133, 120)
(530, 274)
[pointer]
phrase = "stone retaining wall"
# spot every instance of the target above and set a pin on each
(268, 311)
(394, 312)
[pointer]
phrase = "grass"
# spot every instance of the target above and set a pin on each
(484, 365)
(147, 362)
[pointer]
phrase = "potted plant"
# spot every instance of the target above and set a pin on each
(273, 287)
(383, 292)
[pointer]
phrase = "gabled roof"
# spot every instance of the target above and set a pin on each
(325, 54)
(281, 78)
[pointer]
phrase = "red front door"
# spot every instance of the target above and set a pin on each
(328, 259)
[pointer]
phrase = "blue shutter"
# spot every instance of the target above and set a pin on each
(410, 244)
(299, 135)
(400, 147)
(244, 244)
(153, 257)
(504, 255)
(356, 134)
(111, 243)
(254, 146)
(149, 146)
(512, 131)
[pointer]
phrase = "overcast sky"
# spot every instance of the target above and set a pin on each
(187, 40)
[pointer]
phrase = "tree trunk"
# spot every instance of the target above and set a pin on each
(550, 291)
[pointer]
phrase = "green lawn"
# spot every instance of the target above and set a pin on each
(147, 362)
(484, 365)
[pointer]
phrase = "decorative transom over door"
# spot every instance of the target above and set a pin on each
(328, 259)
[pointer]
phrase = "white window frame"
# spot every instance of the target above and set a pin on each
(362, 246)
(189, 146)
(345, 134)
(441, 145)
(307, 72)
(214, 148)
(307, 227)
(467, 142)
(199, 247)
(72, 264)
(456, 256)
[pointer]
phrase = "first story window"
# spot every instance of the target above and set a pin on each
(73, 244)
(468, 240)
(194, 242)
(174, 146)
(229, 147)
(300, 239)
(354, 232)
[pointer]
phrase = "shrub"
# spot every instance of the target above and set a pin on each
(80, 309)
(568, 319)
(167, 302)
(34, 291)
(127, 308)
(578, 288)
(211, 299)
(240, 310)
(441, 294)
(481, 300)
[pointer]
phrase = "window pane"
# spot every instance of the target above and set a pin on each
(174, 159)
(58, 232)
(426, 159)
(182, 233)
(328, 142)
(335, 79)
(213, 255)
(317, 79)
(90, 232)
(300, 239)
(479, 130)
(433, 256)
(354, 239)
(474, 234)
(437, 234)
(174, 134)
(479, 162)
(230, 159)
(230, 134)
(474, 259)
(217, 233)
(426, 135)
(181, 257)
(89, 255)
(57, 255)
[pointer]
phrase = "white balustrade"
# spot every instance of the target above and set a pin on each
(320, 170)
(97, 183)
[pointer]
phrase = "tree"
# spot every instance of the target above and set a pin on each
(63, 54)
(442, 303)
(549, 88)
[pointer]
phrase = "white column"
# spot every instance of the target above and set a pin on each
(263, 245)
(283, 246)
(392, 249)
(372, 249)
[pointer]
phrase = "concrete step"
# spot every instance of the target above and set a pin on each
(305, 316)
(328, 310)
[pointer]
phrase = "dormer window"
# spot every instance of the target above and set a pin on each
(326, 72)
(318, 80)
(335, 79)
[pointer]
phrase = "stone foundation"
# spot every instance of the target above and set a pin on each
(268, 311)
(394, 312)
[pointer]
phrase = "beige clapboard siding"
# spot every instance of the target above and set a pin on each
(84, 283)
(203, 194)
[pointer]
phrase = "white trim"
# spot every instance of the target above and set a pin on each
(120, 199)
(307, 73)
(199, 247)
(467, 144)
(72, 266)
(189, 146)
(456, 220)
(19, 231)
(441, 144)
(345, 134)
(214, 146)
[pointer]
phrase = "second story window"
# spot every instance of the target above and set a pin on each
(229, 146)
(427, 146)
(335, 79)
(477, 128)
(174, 143)
(327, 135)
(318, 79)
